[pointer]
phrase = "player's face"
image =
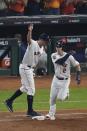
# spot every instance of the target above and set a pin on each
(59, 50)
(44, 43)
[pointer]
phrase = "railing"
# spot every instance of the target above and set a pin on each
(43, 19)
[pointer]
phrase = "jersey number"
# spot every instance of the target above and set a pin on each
(63, 68)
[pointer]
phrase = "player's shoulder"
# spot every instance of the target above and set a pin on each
(53, 55)
(69, 54)
(34, 43)
(71, 57)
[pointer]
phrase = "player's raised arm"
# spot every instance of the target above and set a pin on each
(29, 35)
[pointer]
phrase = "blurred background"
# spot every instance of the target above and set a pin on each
(60, 19)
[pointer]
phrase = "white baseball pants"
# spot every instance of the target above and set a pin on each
(59, 90)
(27, 79)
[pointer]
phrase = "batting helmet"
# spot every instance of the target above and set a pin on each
(44, 37)
(59, 44)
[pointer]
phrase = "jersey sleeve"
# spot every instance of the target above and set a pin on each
(73, 61)
(54, 58)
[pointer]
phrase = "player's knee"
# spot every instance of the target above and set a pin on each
(63, 98)
(23, 89)
(31, 92)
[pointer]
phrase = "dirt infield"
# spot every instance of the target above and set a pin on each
(66, 120)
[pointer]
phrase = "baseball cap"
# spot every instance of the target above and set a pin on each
(59, 44)
(44, 37)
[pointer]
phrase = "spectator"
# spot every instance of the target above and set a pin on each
(33, 7)
(81, 6)
(52, 7)
(15, 7)
(86, 53)
(68, 7)
(3, 8)
(22, 45)
(86, 56)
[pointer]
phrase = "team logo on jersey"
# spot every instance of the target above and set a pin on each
(54, 57)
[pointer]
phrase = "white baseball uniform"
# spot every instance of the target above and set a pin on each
(42, 60)
(29, 61)
(61, 80)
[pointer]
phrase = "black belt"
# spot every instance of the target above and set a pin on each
(29, 66)
(61, 78)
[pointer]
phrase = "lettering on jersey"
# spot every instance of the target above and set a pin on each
(36, 53)
(54, 57)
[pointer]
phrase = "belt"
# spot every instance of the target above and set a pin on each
(30, 66)
(27, 65)
(61, 78)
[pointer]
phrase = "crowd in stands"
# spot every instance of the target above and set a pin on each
(42, 7)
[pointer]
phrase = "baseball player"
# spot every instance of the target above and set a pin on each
(61, 80)
(29, 62)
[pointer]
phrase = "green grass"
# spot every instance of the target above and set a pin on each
(77, 100)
